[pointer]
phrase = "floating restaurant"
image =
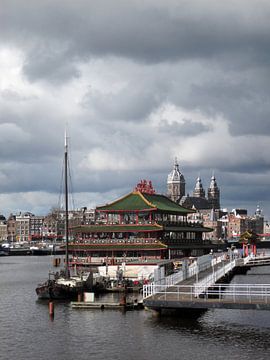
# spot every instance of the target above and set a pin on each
(141, 225)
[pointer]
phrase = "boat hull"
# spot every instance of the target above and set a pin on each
(53, 291)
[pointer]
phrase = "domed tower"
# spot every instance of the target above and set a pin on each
(176, 185)
(214, 194)
(259, 221)
(258, 212)
(199, 191)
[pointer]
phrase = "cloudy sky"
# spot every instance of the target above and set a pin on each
(137, 83)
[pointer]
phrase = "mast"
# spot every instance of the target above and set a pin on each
(66, 206)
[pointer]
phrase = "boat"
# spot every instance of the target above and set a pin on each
(63, 285)
(4, 251)
(51, 249)
(60, 287)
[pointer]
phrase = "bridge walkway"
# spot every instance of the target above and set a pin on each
(202, 290)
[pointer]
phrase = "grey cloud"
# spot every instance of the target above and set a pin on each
(27, 136)
(186, 128)
(51, 64)
(19, 177)
(134, 102)
(15, 96)
(240, 102)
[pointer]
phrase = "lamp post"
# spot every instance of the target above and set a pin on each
(197, 272)
(230, 253)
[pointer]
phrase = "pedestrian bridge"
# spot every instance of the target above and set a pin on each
(240, 296)
(198, 287)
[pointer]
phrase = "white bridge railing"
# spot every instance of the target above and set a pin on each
(201, 264)
(211, 279)
(252, 293)
(218, 264)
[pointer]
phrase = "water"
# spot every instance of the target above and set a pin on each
(27, 332)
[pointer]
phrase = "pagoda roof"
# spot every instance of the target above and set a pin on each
(137, 201)
(116, 228)
(85, 247)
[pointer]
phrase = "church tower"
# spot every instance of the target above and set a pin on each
(214, 194)
(199, 191)
(176, 185)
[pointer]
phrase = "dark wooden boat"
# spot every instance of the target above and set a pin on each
(63, 288)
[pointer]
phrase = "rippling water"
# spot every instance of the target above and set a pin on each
(27, 332)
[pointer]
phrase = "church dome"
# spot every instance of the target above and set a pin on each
(199, 190)
(175, 175)
(213, 183)
(198, 185)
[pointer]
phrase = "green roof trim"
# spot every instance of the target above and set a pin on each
(116, 228)
(110, 247)
(166, 205)
(137, 201)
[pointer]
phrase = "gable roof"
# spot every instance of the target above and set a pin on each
(137, 201)
(199, 203)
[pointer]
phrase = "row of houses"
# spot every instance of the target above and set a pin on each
(229, 225)
(25, 226)
(226, 225)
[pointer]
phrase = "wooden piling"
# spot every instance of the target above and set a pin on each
(51, 308)
(123, 300)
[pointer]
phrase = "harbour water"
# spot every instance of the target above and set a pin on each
(27, 332)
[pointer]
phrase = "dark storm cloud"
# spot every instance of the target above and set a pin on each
(248, 168)
(51, 64)
(233, 36)
(243, 103)
(148, 32)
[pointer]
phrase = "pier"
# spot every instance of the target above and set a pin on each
(206, 285)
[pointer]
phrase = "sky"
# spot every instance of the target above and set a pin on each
(136, 83)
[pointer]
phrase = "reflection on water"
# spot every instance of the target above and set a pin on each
(27, 331)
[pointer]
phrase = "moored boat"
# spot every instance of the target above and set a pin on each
(63, 286)
(4, 251)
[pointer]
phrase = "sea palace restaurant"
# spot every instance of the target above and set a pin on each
(140, 225)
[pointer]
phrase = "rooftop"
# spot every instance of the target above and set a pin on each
(138, 201)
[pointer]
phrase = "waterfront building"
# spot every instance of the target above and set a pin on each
(212, 220)
(141, 224)
(239, 222)
(266, 229)
(23, 226)
(36, 228)
(3, 228)
(11, 228)
(87, 216)
(53, 225)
